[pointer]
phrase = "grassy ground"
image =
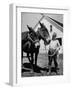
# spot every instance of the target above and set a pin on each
(42, 62)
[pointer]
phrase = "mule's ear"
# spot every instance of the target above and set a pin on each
(40, 24)
(28, 27)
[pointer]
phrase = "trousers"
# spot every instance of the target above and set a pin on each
(53, 58)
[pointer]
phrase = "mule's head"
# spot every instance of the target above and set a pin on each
(44, 34)
(34, 37)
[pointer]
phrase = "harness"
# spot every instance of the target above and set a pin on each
(31, 38)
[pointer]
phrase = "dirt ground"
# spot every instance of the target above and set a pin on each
(42, 69)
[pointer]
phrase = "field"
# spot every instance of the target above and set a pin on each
(42, 66)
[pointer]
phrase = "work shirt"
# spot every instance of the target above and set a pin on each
(54, 46)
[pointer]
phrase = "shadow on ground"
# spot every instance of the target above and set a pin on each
(27, 67)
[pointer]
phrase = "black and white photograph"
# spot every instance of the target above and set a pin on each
(41, 44)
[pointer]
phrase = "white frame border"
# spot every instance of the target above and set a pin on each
(14, 80)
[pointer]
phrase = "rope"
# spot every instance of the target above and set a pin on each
(52, 54)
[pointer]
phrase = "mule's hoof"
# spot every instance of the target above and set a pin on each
(31, 71)
(49, 72)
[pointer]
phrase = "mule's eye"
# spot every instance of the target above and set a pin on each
(44, 34)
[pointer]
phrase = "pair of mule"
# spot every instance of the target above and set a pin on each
(31, 42)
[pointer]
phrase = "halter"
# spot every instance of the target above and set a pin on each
(34, 41)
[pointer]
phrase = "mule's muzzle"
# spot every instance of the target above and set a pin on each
(47, 42)
(37, 45)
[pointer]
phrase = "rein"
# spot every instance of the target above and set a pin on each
(52, 54)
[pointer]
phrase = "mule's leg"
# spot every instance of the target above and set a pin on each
(32, 58)
(28, 57)
(30, 62)
(36, 55)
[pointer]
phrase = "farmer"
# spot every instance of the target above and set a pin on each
(54, 47)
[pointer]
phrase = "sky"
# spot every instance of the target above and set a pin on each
(32, 19)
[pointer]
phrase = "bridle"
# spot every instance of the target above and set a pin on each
(33, 41)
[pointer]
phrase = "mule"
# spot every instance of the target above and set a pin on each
(32, 46)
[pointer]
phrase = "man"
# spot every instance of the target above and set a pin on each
(54, 47)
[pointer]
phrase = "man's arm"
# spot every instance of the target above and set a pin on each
(58, 45)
